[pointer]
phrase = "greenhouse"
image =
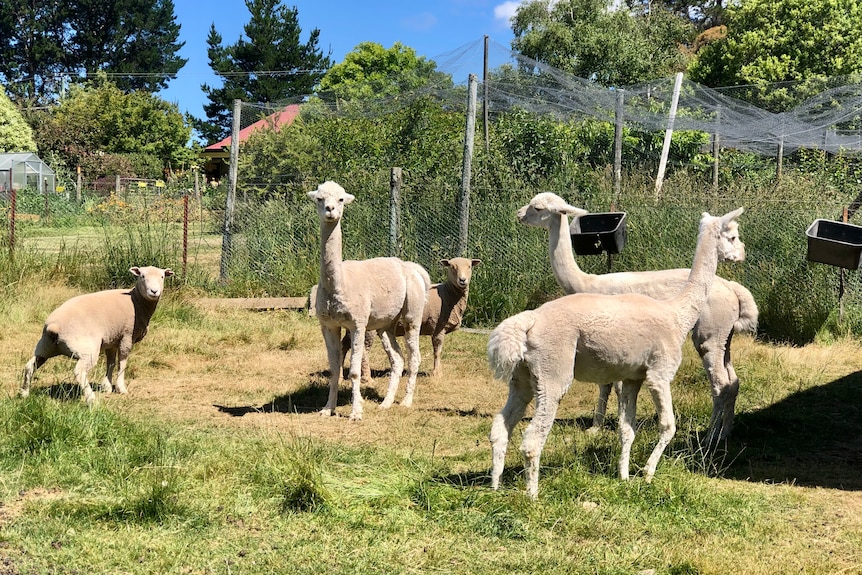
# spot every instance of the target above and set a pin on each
(25, 170)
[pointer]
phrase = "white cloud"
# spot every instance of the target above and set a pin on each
(506, 10)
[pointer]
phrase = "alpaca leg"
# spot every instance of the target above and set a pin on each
(366, 368)
(723, 383)
(357, 352)
(29, 369)
(628, 400)
(520, 395)
(411, 338)
(536, 435)
(396, 361)
(332, 338)
(661, 396)
(82, 368)
(437, 344)
(110, 364)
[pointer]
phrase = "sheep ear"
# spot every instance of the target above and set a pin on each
(169, 272)
(444, 263)
(136, 271)
(475, 262)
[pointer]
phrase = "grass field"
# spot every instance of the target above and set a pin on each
(217, 462)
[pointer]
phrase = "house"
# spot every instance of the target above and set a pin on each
(217, 156)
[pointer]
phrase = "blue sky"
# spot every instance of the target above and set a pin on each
(430, 27)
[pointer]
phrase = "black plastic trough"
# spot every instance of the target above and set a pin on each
(594, 233)
(835, 243)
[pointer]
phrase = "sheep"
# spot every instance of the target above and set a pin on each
(109, 320)
(602, 338)
(729, 309)
(444, 311)
(371, 294)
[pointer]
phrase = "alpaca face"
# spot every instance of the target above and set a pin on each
(730, 246)
(330, 199)
(460, 271)
(545, 208)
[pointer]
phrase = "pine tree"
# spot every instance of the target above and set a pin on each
(269, 65)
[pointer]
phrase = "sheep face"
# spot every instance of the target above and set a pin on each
(151, 281)
(545, 206)
(330, 199)
(460, 270)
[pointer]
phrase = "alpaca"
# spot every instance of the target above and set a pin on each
(371, 294)
(444, 310)
(729, 308)
(602, 338)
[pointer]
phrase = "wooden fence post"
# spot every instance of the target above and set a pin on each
(226, 239)
(469, 138)
(395, 212)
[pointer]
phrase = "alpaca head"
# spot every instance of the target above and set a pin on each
(460, 270)
(330, 199)
(545, 208)
(730, 247)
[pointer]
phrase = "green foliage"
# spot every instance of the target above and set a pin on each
(109, 132)
(772, 41)
(371, 70)
(15, 134)
(42, 44)
(613, 47)
(271, 43)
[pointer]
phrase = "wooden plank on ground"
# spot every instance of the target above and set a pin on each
(255, 303)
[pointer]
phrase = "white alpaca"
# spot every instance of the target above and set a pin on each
(371, 294)
(601, 338)
(729, 308)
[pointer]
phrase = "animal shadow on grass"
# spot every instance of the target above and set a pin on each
(65, 391)
(810, 438)
(310, 399)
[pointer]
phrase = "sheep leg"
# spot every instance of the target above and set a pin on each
(520, 395)
(396, 361)
(537, 433)
(411, 337)
(82, 367)
(628, 400)
(111, 363)
(660, 391)
(121, 372)
(437, 344)
(29, 369)
(332, 338)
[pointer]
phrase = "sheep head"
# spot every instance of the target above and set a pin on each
(330, 199)
(151, 281)
(460, 271)
(546, 208)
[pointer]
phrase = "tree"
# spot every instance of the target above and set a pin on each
(613, 47)
(98, 122)
(371, 70)
(15, 134)
(271, 65)
(43, 42)
(771, 41)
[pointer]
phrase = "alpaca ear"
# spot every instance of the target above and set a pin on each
(348, 198)
(573, 211)
(312, 194)
(729, 217)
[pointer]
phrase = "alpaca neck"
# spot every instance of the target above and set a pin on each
(700, 279)
(330, 256)
(570, 277)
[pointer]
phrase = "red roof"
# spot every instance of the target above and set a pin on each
(284, 117)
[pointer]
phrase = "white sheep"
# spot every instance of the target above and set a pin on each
(371, 294)
(109, 320)
(444, 311)
(730, 307)
(602, 338)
